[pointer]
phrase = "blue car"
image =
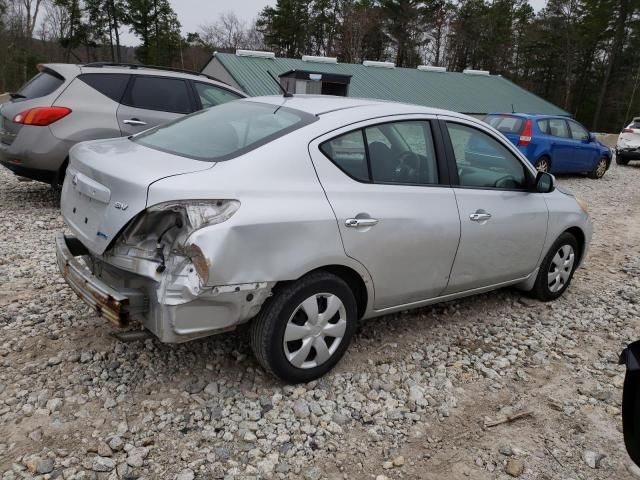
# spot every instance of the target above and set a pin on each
(554, 144)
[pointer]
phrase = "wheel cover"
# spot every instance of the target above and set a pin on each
(601, 168)
(560, 268)
(315, 330)
(542, 165)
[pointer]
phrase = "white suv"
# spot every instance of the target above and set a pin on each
(628, 147)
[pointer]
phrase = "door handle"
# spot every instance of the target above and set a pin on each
(360, 222)
(479, 216)
(134, 122)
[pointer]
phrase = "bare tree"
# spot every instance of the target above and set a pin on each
(228, 33)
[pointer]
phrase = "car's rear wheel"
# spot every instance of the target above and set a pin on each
(305, 328)
(600, 169)
(556, 270)
(543, 164)
(620, 160)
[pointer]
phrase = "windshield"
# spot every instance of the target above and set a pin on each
(505, 123)
(226, 131)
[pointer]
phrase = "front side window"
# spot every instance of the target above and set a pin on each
(558, 128)
(159, 93)
(226, 131)
(484, 162)
(577, 131)
(211, 95)
(397, 153)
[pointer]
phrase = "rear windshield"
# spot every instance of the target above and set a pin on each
(505, 123)
(226, 131)
(41, 85)
(635, 123)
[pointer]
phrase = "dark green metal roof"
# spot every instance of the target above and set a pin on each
(455, 91)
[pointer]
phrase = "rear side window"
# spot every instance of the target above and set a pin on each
(226, 131)
(43, 84)
(390, 153)
(210, 95)
(558, 128)
(543, 125)
(111, 85)
(505, 123)
(158, 93)
(347, 152)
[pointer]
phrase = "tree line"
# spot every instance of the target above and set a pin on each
(582, 55)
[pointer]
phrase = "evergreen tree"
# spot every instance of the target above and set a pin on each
(157, 26)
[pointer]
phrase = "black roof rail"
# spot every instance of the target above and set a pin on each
(135, 66)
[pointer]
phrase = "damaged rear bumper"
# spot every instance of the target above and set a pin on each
(117, 306)
(121, 296)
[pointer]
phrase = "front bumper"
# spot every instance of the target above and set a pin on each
(122, 296)
(632, 153)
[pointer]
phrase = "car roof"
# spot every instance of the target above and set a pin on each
(69, 69)
(528, 115)
(324, 104)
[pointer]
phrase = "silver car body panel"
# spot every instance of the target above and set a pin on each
(293, 203)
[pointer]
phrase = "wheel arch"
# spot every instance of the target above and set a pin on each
(580, 238)
(351, 277)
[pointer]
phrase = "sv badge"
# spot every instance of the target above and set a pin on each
(121, 206)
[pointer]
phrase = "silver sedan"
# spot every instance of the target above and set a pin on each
(305, 215)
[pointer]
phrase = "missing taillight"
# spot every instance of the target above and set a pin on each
(41, 116)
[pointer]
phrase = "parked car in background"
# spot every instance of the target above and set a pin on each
(65, 104)
(303, 215)
(628, 146)
(554, 144)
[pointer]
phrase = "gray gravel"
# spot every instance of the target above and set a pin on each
(409, 400)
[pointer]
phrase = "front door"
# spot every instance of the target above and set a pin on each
(586, 153)
(503, 223)
(395, 218)
(150, 101)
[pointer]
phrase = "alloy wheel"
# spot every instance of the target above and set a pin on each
(542, 165)
(561, 268)
(315, 330)
(601, 169)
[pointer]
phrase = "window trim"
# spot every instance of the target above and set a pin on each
(441, 166)
(196, 96)
(453, 164)
(126, 98)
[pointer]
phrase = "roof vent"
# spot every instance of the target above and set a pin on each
(429, 68)
(469, 71)
(371, 63)
(313, 59)
(255, 54)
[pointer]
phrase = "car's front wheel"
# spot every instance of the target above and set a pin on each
(600, 169)
(305, 328)
(556, 270)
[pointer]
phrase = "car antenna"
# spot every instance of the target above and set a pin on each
(513, 110)
(285, 94)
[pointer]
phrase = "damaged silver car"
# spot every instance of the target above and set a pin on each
(304, 215)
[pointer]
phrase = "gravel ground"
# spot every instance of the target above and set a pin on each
(411, 398)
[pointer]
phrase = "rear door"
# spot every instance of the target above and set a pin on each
(503, 224)
(396, 213)
(153, 100)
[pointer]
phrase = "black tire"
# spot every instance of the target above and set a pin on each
(542, 161)
(600, 169)
(541, 289)
(268, 328)
(620, 160)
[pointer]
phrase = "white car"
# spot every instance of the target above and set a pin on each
(628, 147)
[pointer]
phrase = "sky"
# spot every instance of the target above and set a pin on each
(193, 13)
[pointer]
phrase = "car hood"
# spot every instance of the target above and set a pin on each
(106, 185)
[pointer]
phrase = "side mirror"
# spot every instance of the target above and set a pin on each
(589, 138)
(631, 400)
(545, 182)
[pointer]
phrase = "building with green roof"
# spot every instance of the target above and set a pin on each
(474, 92)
